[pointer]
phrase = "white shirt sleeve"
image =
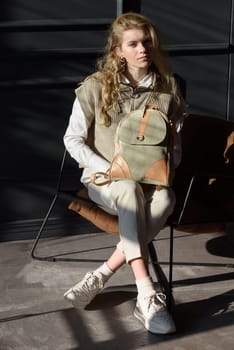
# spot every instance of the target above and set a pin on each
(75, 142)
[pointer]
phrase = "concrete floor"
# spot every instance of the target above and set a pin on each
(34, 315)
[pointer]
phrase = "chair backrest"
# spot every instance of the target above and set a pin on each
(204, 141)
(208, 154)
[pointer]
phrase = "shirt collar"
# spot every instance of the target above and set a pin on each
(145, 82)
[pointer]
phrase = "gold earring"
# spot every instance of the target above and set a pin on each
(122, 62)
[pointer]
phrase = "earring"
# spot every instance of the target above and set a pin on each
(122, 62)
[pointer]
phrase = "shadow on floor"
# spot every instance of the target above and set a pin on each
(206, 314)
(221, 246)
(191, 318)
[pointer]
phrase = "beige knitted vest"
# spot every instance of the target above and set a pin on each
(101, 137)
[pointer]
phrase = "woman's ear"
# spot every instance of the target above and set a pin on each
(118, 51)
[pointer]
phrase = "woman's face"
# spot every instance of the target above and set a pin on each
(137, 48)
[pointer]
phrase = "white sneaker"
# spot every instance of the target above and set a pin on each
(84, 292)
(152, 312)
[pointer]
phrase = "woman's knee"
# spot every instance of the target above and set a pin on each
(169, 198)
(164, 201)
(125, 188)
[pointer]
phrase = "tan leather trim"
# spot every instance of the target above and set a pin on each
(158, 171)
(119, 168)
(144, 121)
(142, 125)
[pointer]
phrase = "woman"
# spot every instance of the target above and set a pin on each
(131, 72)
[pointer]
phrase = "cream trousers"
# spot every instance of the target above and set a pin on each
(142, 212)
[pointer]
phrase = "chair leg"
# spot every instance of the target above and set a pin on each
(49, 210)
(171, 266)
(160, 275)
(35, 243)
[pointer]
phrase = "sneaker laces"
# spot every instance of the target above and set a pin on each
(91, 282)
(162, 298)
(157, 301)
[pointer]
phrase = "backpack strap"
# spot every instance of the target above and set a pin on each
(100, 178)
(144, 120)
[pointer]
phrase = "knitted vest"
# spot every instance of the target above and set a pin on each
(101, 137)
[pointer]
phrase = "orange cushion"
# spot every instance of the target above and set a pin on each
(90, 211)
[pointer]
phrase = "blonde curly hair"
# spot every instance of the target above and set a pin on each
(110, 65)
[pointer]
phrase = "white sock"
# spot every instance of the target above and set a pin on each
(105, 271)
(145, 287)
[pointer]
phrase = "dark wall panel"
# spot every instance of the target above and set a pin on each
(197, 32)
(56, 9)
(32, 148)
(206, 82)
(52, 40)
(190, 22)
(34, 70)
(34, 126)
(46, 49)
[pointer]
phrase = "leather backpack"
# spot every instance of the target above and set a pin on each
(142, 149)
